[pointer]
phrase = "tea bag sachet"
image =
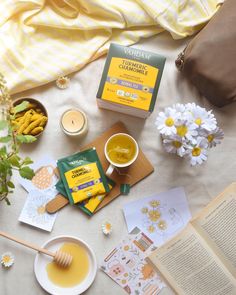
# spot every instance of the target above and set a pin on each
(83, 176)
(89, 205)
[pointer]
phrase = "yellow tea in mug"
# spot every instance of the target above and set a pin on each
(121, 149)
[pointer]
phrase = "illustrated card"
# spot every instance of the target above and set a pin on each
(160, 216)
(45, 177)
(126, 265)
(34, 211)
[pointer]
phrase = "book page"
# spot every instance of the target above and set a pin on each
(217, 224)
(191, 267)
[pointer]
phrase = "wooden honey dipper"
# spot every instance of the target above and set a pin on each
(61, 258)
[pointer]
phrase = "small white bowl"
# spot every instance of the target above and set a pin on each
(41, 261)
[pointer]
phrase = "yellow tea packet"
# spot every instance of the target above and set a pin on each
(83, 176)
(88, 205)
(91, 204)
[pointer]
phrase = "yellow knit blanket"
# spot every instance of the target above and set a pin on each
(41, 40)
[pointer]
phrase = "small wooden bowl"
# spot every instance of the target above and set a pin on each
(38, 104)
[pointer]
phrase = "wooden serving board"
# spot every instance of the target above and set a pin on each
(131, 175)
(136, 172)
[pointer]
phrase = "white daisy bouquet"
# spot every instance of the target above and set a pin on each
(189, 131)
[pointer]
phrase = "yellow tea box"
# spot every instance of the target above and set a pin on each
(130, 81)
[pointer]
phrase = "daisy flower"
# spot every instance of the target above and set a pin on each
(179, 107)
(154, 203)
(215, 137)
(198, 153)
(62, 82)
(185, 129)
(106, 228)
(188, 130)
(190, 106)
(154, 215)
(174, 145)
(165, 121)
(7, 259)
(203, 118)
(162, 225)
(151, 229)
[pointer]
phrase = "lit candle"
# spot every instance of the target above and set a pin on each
(74, 122)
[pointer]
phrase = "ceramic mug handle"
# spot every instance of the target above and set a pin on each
(110, 170)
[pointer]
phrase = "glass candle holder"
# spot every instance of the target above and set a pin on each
(74, 122)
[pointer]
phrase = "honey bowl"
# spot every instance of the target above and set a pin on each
(33, 120)
(72, 281)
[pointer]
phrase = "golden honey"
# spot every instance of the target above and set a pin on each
(75, 273)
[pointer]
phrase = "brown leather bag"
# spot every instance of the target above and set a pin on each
(209, 60)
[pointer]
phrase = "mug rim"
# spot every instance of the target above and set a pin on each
(128, 163)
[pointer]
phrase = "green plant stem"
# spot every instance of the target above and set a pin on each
(12, 145)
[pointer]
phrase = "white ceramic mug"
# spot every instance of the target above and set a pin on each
(118, 165)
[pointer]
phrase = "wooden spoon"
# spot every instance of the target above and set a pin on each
(61, 258)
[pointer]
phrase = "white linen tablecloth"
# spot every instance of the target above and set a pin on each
(201, 183)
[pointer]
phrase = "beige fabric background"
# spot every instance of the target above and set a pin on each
(201, 183)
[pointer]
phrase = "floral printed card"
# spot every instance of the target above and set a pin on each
(34, 211)
(161, 216)
(45, 177)
(127, 266)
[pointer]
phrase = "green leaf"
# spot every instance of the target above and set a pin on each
(5, 139)
(3, 151)
(4, 188)
(14, 161)
(3, 124)
(21, 107)
(3, 172)
(10, 184)
(26, 172)
(27, 161)
(5, 168)
(25, 138)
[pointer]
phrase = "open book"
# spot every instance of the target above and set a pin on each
(201, 260)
